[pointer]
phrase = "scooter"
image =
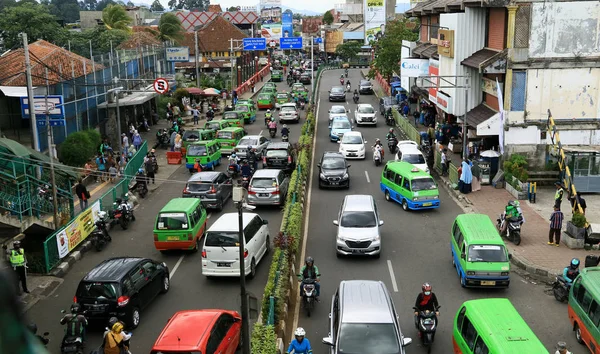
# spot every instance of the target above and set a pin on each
(100, 236)
(392, 144)
(348, 87)
(162, 139)
(342, 81)
(273, 132)
(302, 105)
(355, 98)
(310, 293)
(389, 120)
(377, 157)
(71, 344)
(560, 289)
(426, 324)
(122, 213)
(513, 231)
(285, 138)
(142, 190)
(246, 182)
(232, 171)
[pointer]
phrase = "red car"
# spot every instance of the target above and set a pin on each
(200, 331)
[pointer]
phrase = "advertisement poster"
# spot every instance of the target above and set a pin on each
(287, 26)
(78, 230)
(374, 20)
(272, 32)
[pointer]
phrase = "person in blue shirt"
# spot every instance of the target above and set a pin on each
(572, 271)
(299, 345)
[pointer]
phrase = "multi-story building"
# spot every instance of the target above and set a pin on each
(352, 10)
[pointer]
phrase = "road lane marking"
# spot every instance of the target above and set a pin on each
(261, 131)
(394, 285)
(178, 264)
(367, 175)
(208, 216)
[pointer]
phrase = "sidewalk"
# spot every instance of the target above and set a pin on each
(533, 254)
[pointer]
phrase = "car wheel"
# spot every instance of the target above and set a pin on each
(220, 205)
(268, 245)
(166, 285)
(252, 269)
(578, 334)
(377, 256)
(338, 255)
(134, 319)
(196, 246)
(404, 205)
(348, 186)
(212, 166)
(387, 196)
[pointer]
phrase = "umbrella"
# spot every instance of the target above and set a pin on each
(212, 92)
(194, 90)
(490, 153)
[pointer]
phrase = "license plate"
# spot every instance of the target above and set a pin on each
(335, 183)
(359, 251)
(202, 197)
(263, 194)
(492, 283)
(173, 238)
(352, 155)
(223, 264)
(427, 204)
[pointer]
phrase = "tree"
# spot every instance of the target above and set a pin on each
(115, 17)
(195, 5)
(388, 49)
(157, 6)
(102, 4)
(7, 3)
(33, 19)
(130, 4)
(88, 5)
(348, 50)
(232, 8)
(297, 16)
(328, 18)
(169, 28)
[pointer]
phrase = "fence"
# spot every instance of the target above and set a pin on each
(383, 83)
(51, 254)
(407, 128)
(247, 85)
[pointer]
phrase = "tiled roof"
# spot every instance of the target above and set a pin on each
(422, 48)
(215, 35)
(431, 52)
(215, 8)
(189, 41)
(12, 65)
(416, 11)
(442, 6)
(479, 57)
(139, 39)
(479, 115)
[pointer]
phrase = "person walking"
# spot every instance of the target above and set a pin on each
(83, 195)
(556, 220)
(431, 134)
(137, 140)
(445, 162)
(234, 97)
(19, 263)
(150, 173)
(196, 114)
(558, 196)
(561, 348)
(466, 178)
(101, 163)
(580, 201)
(476, 171)
(125, 143)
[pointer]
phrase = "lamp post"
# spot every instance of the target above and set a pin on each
(239, 76)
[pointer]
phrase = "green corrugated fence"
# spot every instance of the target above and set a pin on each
(407, 128)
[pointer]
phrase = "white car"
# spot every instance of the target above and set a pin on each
(365, 114)
(220, 254)
(352, 145)
(289, 112)
(411, 154)
(407, 142)
(336, 111)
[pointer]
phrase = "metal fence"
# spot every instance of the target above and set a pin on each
(407, 128)
(452, 169)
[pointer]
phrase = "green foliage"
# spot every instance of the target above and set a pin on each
(178, 95)
(277, 290)
(552, 166)
(264, 339)
(115, 17)
(77, 149)
(33, 19)
(578, 220)
(102, 4)
(516, 166)
(169, 28)
(389, 48)
(162, 106)
(349, 50)
(196, 5)
(94, 137)
(328, 18)
(156, 6)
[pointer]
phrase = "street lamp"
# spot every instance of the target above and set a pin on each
(256, 65)
(238, 199)
(239, 76)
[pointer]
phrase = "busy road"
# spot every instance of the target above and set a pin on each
(415, 248)
(189, 288)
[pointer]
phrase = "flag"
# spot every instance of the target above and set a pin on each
(501, 109)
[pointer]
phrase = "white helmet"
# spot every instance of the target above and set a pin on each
(300, 332)
(268, 111)
(101, 215)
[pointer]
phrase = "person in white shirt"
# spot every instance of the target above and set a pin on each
(561, 348)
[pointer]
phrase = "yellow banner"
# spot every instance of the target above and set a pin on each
(78, 230)
(374, 3)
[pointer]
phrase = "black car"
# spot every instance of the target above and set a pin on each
(365, 87)
(305, 78)
(121, 287)
(280, 156)
(337, 93)
(212, 187)
(385, 103)
(333, 171)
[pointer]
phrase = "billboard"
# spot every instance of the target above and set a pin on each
(287, 25)
(414, 67)
(78, 230)
(181, 54)
(374, 19)
(271, 32)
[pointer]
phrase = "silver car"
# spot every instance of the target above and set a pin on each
(289, 112)
(213, 189)
(268, 187)
(358, 227)
(336, 111)
(257, 142)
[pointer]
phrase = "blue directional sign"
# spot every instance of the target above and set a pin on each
(53, 122)
(318, 40)
(290, 43)
(255, 43)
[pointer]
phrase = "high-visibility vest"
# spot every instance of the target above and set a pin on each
(17, 258)
(558, 195)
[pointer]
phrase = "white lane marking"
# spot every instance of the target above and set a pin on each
(208, 216)
(367, 175)
(261, 131)
(176, 266)
(394, 285)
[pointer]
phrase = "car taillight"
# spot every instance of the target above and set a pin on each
(122, 301)
(245, 253)
(203, 254)
(75, 299)
(186, 190)
(212, 189)
(276, 191)
(264, 159)
(289, 159)
(251, 191)
(155, 237)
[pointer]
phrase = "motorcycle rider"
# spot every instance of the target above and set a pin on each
(355, 94)
(426, 300)
(234, 161)
(246, 169)
(378, 146)
(267, 117)
(571, 272)
(391, 135)
(210, 115)
(348, 86)
(512, 210)
(149, 164)
(140, 179)
(252, 158)
(75, 321)
(273, 125)
(285, 131)
(299, 344)
(346, 72)
(115, 339)
(310, 271)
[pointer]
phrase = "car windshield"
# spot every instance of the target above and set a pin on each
(230, 115)
(282, 95)
(263, 97)
(423, 184)
(264, 182)
(365, 83)
(199, 186)
(224, 135)
(190, 135)
(360, 338)
(172, 221)
(333, 164)
(98, 290)
(415, 159)
(277, 153)
(341, 125)
(337, 90)
(248, 142)
(275, 72)
(352, 139)
(288, 109)
(212, 125)
(487, 253)
(221, 239)
(337, 109)
(299, 88)
(358, 219)
(196, 150)
(366, 109)
(242, 108)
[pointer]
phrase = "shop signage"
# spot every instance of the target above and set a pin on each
(78, 230)
(444, 102)
(446, 43)
(489, 86)
(414, 67)
(434, 71)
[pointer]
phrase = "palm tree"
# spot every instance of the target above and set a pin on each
(169, 28)
(115, 17)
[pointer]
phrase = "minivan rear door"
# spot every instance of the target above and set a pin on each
(98, 298)
(222, 249)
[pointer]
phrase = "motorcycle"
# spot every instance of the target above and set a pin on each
(392, 144)
(71, 344)
(232, 170)
(377, 157)
(560, 289)
(285, 138)
(162, 139)
(45, 193)
(302, 104)
(100, 236)
(426, 324)
(142, 190)
(246, 182)
(346, 74)
(341, 81)
(273, 132)
(122, 213)
(355, 98)
(513, 231)
(348, 87)
(389, 120)
(310, 293)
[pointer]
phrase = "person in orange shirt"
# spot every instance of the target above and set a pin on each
(197, 166)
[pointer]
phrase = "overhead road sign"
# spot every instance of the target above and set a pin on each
(318, 40)
(290, 43)
(254, 43)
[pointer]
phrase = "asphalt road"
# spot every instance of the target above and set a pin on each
(189, 288)
(415, 249)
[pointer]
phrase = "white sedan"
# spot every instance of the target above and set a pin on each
(365, 114)
(352, 145)
(336, 111)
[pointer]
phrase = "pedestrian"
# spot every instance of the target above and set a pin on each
(197, 166)
(137, 140)
(83, 195)
(445, 162)
(125, 143)
(234, 97)
(561, 348)
(196, 114)
(431, 134)
(150, 173)
(18, 262)
(476, 171)
(558, 196)
(112, 173)
(580, 201)
(556, 220)
(466, 178)
(101, 164)
(178, 142)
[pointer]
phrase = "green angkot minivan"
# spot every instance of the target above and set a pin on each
(234, 118)
(406, 184)
(208, 153)
(229, 138)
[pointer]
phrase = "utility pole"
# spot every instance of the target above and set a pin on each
(312, 64)
(232, 66)
(35, 142)
(464, 125)
(50, 135)
(120, 138)
(196, 56)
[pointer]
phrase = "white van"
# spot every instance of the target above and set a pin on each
(411, 154)
(220, 254)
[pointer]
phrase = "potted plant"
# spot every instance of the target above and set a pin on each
(576, 226)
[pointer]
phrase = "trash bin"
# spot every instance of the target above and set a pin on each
(486, 175)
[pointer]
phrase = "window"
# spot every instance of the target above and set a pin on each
(197, 150)
(480, 347)
(461, 317)
(594, 313)
(252, 228)
(127, 286)
(222, 239)
(360, 338)
(406, 184)
(149, 267)
(225, 323)
(415, 159)
(580, 294)
(587, 300)
(468, 333)
(423, 184)
(194, 217)
(352, 139)
(97, 290)
(137, 276)
(214, 340)
(487, 253)
(518, 90)
(277, 153)
(576, 286)
(358, 219)
(398, 180)
(172, 221)
(268, 182)
(224, 135)
(457, 234)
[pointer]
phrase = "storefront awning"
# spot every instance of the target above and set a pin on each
(431, 52)
(136, 98)
(418, 50)
(487, 61)
(479, 115)
(490, 126)
(14, 91)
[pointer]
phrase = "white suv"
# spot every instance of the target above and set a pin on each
(358, 227)
(365, 114)
(352, 145)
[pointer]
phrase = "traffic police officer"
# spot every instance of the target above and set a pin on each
(19, 264)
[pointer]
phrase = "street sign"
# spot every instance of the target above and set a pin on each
(55, 108)
(255, 43)
(161, 85)
(318, 40)
(290, 43)
(181, 54)
(53, 122)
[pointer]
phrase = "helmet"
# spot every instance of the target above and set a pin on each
(299, 332)
(391, 130)
(426, 287)
(101, 215)
(75, 308)
(141, 170)
(233, 155)
(112, 321)
(268, 111)
(310, 260)
(377, 139)
(32, 327)
(117, 327)
(574, 263)
(285, 125)
(17, 244)
(153, 151)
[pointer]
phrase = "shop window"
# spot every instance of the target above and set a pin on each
(518, 91)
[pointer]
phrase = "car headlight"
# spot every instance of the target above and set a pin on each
(504, 273)
(470, 273)
(415, 199)
(345, 176)
(322, 176)
(376, 238)
(361, 148)
(341, 238)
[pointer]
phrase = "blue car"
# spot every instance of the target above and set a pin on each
(339, 126)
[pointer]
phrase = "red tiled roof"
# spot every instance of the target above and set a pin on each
(214, 36)
(139, 39)
(214, 8)
(12, 65)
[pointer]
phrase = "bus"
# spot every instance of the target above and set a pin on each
(584, 311)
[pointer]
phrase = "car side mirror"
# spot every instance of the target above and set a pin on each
(265, 222)
(380, 222)
(347, 111)
(328, 341)
(364, 142)
(339, 141)
(329, 91)
(463, 256)
(510, 256)
(348, 166)
(328, 111)
(406, 341)
(318, 165)
(335, 222)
